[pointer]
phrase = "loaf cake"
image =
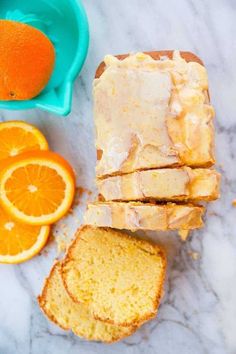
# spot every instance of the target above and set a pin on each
(64, 312)
(120, 278)
(155, 147)
(144, 216)
(178, 184)
(154, 141)
(152, 113)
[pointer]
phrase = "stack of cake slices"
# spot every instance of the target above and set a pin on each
(155, 143)
(106, 287)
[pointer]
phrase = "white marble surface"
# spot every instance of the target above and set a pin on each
(198, 313)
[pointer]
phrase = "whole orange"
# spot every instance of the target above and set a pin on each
(26, 61)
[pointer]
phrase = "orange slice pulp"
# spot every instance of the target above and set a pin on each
(20, 242)
(36, 187)
(17, 137)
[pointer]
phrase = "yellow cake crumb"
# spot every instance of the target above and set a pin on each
(63, 311)
(183, 234)
(118, 276)
(195, 255)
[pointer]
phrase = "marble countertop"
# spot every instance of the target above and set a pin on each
(198, 312)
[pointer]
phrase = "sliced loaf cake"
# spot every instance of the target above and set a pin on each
(144, 216)
(63, 311)
(120, 278)
(167, 184)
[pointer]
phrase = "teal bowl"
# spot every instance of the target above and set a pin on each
(65, 23)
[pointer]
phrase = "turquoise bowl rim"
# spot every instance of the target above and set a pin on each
(76, 66)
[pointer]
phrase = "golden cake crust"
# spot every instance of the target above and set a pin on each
(42, 299)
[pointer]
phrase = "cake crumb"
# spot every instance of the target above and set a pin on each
(234, 202)
(183, 234)
(61, 245)
(195, 255)
(212, 213)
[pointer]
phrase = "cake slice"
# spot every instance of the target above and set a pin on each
(118, 276)
(152, 110)
(144, 216)
(172, 184)
(63, 311)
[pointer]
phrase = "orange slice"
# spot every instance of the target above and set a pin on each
(17, 137)
(20, 242)
(37, 187)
